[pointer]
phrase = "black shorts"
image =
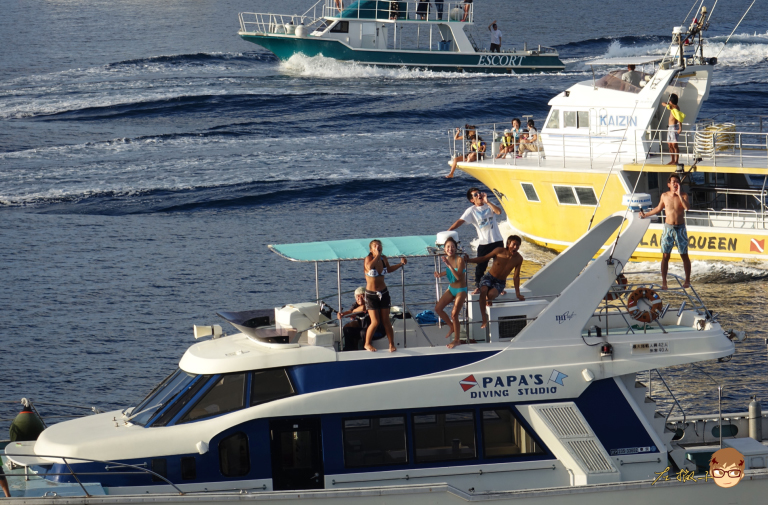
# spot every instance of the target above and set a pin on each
(377, 300)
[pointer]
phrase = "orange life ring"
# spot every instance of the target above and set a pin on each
(616, 291)
(644, 315)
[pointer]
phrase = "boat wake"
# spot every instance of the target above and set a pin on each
(709, 272)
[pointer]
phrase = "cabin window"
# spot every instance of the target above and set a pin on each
(583, 119)
(568, 195)
(530, 192)
(341, 27)
(504, 436)
(569, 119)
(565, 195)
(182, 401)
(188, 468)
(444, 436)
(226, 395)
(554, 119)
(160, 467)
(586, 196)
(161, 396)
(234, 460)
(269, 385)
(374, 441)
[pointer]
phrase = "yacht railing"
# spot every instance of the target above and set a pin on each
(385, 10)
(260, 22)
(708, 144)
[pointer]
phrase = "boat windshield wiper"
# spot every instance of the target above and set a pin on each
(145, 410)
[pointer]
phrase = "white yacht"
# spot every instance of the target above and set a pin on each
(543, 406)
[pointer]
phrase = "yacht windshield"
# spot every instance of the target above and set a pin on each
(631, 81)
(161, 396)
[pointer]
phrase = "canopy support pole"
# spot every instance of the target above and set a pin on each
(338, 281)
(405, 311)
(317, 286)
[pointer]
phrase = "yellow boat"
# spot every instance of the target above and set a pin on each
(604, 138)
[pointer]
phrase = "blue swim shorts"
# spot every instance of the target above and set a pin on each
(675, 235)
(493, 283)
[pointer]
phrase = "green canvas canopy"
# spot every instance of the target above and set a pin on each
(355, 249)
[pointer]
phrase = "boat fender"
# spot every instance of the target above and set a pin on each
(27, 425)
(644, 315)
(616, 290)
(300, 31)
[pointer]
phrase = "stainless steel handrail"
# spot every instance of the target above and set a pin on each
(88, 460)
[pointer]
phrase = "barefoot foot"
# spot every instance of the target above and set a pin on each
(485, 321)
(392, 348)
(476, 291)
(687, 284)
(449, 333)
(455, 343)
(664, 286)
(369, 347)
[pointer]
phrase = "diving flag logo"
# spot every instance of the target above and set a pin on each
(756, 245)
(557, 377)
(468, 383)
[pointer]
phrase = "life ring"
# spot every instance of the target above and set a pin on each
(616, 290)
(652, 299)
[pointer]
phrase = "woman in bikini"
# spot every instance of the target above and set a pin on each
(456, 272)
(377, 300)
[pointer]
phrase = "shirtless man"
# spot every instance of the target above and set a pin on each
(676, 118)
(493, 283)
(674, 202)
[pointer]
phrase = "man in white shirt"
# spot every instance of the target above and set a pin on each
(632, 76)
(495, 38)
(482, 215)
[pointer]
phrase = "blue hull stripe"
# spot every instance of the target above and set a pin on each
(342, 374)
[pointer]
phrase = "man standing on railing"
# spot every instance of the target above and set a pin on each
(495, 37)
(674, 203)
(482, 215)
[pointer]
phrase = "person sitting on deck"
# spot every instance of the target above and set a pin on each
(478, 148)
(351, 331)
(494, 282)
(456, 273)
(632, 76)
(507, 144)
(470, 134)
(377, 300)
(531, 142)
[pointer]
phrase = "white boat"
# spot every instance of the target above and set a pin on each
(545, 408)
(606, 137)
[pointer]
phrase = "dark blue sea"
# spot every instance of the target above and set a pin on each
(148, 156)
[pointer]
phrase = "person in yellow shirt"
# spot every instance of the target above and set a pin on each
(676, 118)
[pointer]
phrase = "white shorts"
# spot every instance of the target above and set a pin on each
(672, 135)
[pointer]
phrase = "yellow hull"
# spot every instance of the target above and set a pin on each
(556, 226)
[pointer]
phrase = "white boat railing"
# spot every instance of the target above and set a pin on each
(709, 144)
(261, 22)
(455, 12)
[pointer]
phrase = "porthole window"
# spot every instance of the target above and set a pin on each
(234, 459)
(530, 192)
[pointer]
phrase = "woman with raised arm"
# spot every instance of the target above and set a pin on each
(456, 272)
(377, 300)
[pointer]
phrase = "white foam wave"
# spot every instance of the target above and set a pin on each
(709, 272)
(740, 54)
(321, 67)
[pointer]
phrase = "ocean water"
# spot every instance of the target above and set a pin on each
(148, 156)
